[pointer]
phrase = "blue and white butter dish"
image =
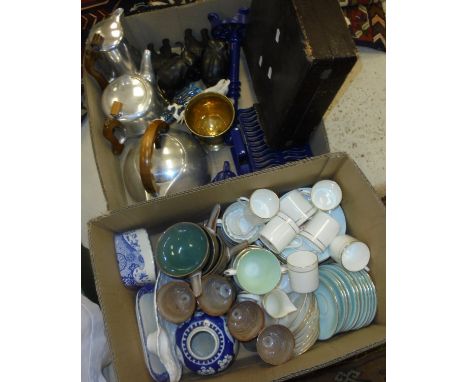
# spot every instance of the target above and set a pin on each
(147, 323)
(135, 258)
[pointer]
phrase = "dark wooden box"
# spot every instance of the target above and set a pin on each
(299, 52)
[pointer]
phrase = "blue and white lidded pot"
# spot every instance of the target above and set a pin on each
(205, 344)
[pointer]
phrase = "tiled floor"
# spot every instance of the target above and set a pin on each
(355, 122)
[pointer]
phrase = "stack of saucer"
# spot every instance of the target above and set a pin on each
(346, 300)
(304, 322)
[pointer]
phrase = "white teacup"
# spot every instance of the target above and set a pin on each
(279, 232)
(277, 304)
(350, 253)
(326, 195)
(262, 205)
(297, 207)
(321, 229)
(303, 271)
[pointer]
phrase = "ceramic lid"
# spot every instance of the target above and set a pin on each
(133, 92)
(111, 30)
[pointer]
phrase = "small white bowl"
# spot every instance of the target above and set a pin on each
(326, 195)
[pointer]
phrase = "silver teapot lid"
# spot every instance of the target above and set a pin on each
(135, 94)
(111, 31)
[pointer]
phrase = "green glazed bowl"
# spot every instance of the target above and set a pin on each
(182, 250)
(258, 270)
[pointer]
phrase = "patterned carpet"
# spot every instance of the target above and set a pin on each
(365, 367)
(366, 18)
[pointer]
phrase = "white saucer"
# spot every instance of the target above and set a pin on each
(233, 216)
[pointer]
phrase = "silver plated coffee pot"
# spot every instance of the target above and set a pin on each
(108, 54)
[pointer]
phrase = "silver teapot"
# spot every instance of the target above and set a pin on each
(130, 102)
(107, 53)
(164, 161)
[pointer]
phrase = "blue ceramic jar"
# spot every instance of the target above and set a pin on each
(205, 344)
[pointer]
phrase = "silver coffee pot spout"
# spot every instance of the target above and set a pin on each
(146, 68)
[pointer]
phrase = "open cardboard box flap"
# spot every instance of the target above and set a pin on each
(365, 216)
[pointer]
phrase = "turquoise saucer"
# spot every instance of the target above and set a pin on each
(331, 283)
(328, 308)
(353, 302)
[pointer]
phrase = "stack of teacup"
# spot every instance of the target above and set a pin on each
(189, 250)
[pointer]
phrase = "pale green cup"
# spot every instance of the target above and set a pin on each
(256, 270)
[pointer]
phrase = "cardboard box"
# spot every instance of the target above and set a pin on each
(365, 216)
(153, 26)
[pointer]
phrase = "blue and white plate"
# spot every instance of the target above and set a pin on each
(147, 324)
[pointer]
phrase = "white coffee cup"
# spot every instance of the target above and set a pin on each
(321, 229)
(297, 207)
(303, 271)
(277, 304)
(278, 232)
(263, 205)
(326, 195)
(350, 253)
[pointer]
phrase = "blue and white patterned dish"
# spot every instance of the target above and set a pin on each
(147, 324)
(205, 344)
(135, 258)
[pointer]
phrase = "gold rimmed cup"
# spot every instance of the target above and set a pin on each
(209, 115)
